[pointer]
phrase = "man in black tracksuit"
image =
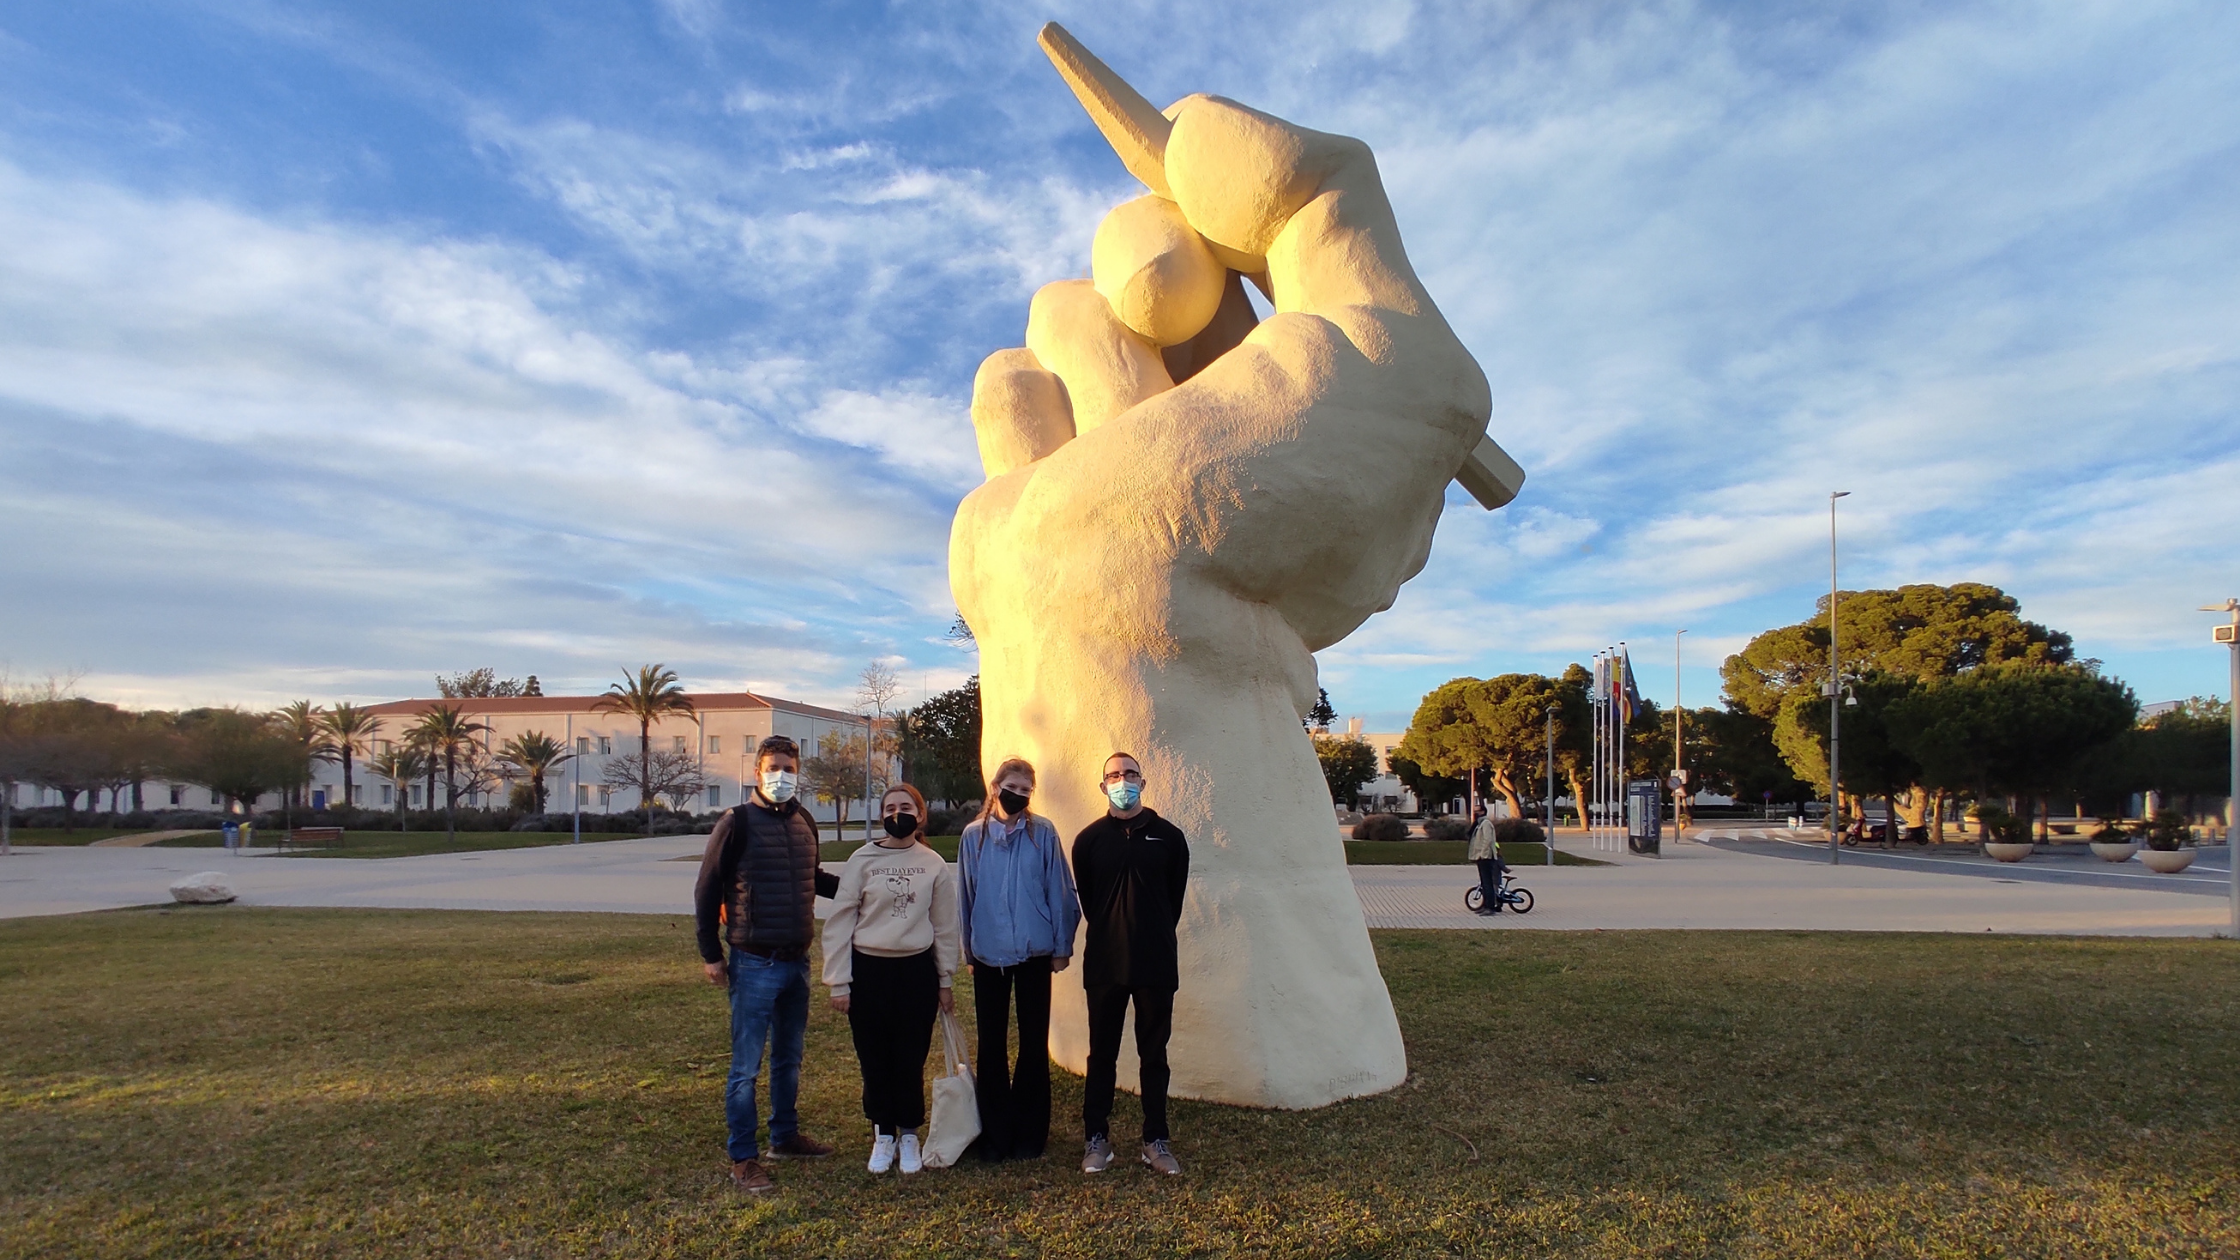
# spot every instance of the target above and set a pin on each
(1131, 867)
(759, 881)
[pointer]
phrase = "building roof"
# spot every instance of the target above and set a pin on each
(707, 702)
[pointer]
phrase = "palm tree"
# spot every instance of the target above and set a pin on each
(443, 731)
(651, 696)
(304, 723)
(400, 764)
(534, 754)
(350, 731)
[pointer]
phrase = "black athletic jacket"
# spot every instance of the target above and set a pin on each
(1131, 873)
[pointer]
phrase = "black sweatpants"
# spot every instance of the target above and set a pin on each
(1108, 1013)
(891, 1005)
(1014, 1100)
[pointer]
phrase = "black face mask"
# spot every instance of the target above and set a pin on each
(1012, 801)
(902, 825)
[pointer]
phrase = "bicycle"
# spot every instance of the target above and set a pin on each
(1517, 899)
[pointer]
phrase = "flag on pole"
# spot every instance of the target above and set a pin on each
(1629, 695)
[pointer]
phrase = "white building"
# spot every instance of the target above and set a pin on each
(1385, 793)
(723, 730)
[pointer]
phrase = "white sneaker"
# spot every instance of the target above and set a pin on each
(912, 1160)
(882, 1153)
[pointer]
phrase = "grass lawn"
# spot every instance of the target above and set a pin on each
(56, 836)
(838, 850)
(192, 1082)
(1449, 853)
(1358, 852)
(388, 844)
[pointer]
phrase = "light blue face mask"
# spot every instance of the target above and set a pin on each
(1123, 794)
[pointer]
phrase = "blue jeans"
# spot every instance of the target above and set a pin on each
(769, 1000)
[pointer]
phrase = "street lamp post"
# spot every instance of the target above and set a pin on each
(1679, 773)
(1835, 697)
(870, 737)
(2229, 635)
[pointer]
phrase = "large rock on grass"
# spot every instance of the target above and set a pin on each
(207, 888)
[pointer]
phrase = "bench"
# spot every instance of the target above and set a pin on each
(305, 837)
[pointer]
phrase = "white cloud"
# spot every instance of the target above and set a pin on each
(1973, 263)
(928, 437)
(326, 449)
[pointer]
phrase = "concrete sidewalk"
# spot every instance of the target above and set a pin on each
(638, 876)
(1691, 886)
(1702, 887)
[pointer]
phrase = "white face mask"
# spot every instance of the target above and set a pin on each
(778, 785)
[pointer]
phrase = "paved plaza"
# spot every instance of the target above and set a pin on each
(1740, 879)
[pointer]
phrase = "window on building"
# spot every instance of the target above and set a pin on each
(583, 794)
(715, 743)
(178, 795)
(357, 793)
(605, 794)
(715, 794)
(215, 798)
(417, 793)
(388, 795)
(680, 744)
(606, 746)
(583, 745)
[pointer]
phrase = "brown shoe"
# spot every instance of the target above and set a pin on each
(747, 1175)
(799, 1146)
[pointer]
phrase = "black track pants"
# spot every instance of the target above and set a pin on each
(1108, 1013)
(891, 1006)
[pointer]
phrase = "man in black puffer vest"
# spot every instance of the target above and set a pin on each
(759, 881)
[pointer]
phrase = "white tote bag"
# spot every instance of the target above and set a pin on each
(956, 1103)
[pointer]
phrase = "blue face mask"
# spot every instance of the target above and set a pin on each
(1123, 794)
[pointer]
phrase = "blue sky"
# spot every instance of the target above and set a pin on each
(340, 345)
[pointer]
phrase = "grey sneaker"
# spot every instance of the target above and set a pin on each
(1096, 1156)
(1158, 1158)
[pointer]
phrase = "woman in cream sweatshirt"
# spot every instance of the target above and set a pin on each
(890, 948)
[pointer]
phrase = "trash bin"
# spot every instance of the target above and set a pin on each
(233, 836)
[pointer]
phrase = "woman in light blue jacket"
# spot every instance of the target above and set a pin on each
(1019, 913)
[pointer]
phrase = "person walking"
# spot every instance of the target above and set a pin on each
(1019, 916)
(1132, 867)
(757, 892)
(890, 950)
(1485, 850)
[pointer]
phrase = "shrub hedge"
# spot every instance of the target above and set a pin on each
(1381, 827)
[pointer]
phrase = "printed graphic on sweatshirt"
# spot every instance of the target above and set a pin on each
(900, 894)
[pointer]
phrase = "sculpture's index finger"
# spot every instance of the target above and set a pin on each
(1134, 128)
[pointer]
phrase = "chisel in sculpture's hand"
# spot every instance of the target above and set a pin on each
(1138, 132)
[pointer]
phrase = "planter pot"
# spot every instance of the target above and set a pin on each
(2114, 851)
(2009, 852)
(2166, 861)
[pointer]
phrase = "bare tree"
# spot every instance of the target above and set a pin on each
(874, 688)
(669, 773)
(834, 771)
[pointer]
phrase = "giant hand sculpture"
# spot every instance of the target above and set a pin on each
(1183, 503)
